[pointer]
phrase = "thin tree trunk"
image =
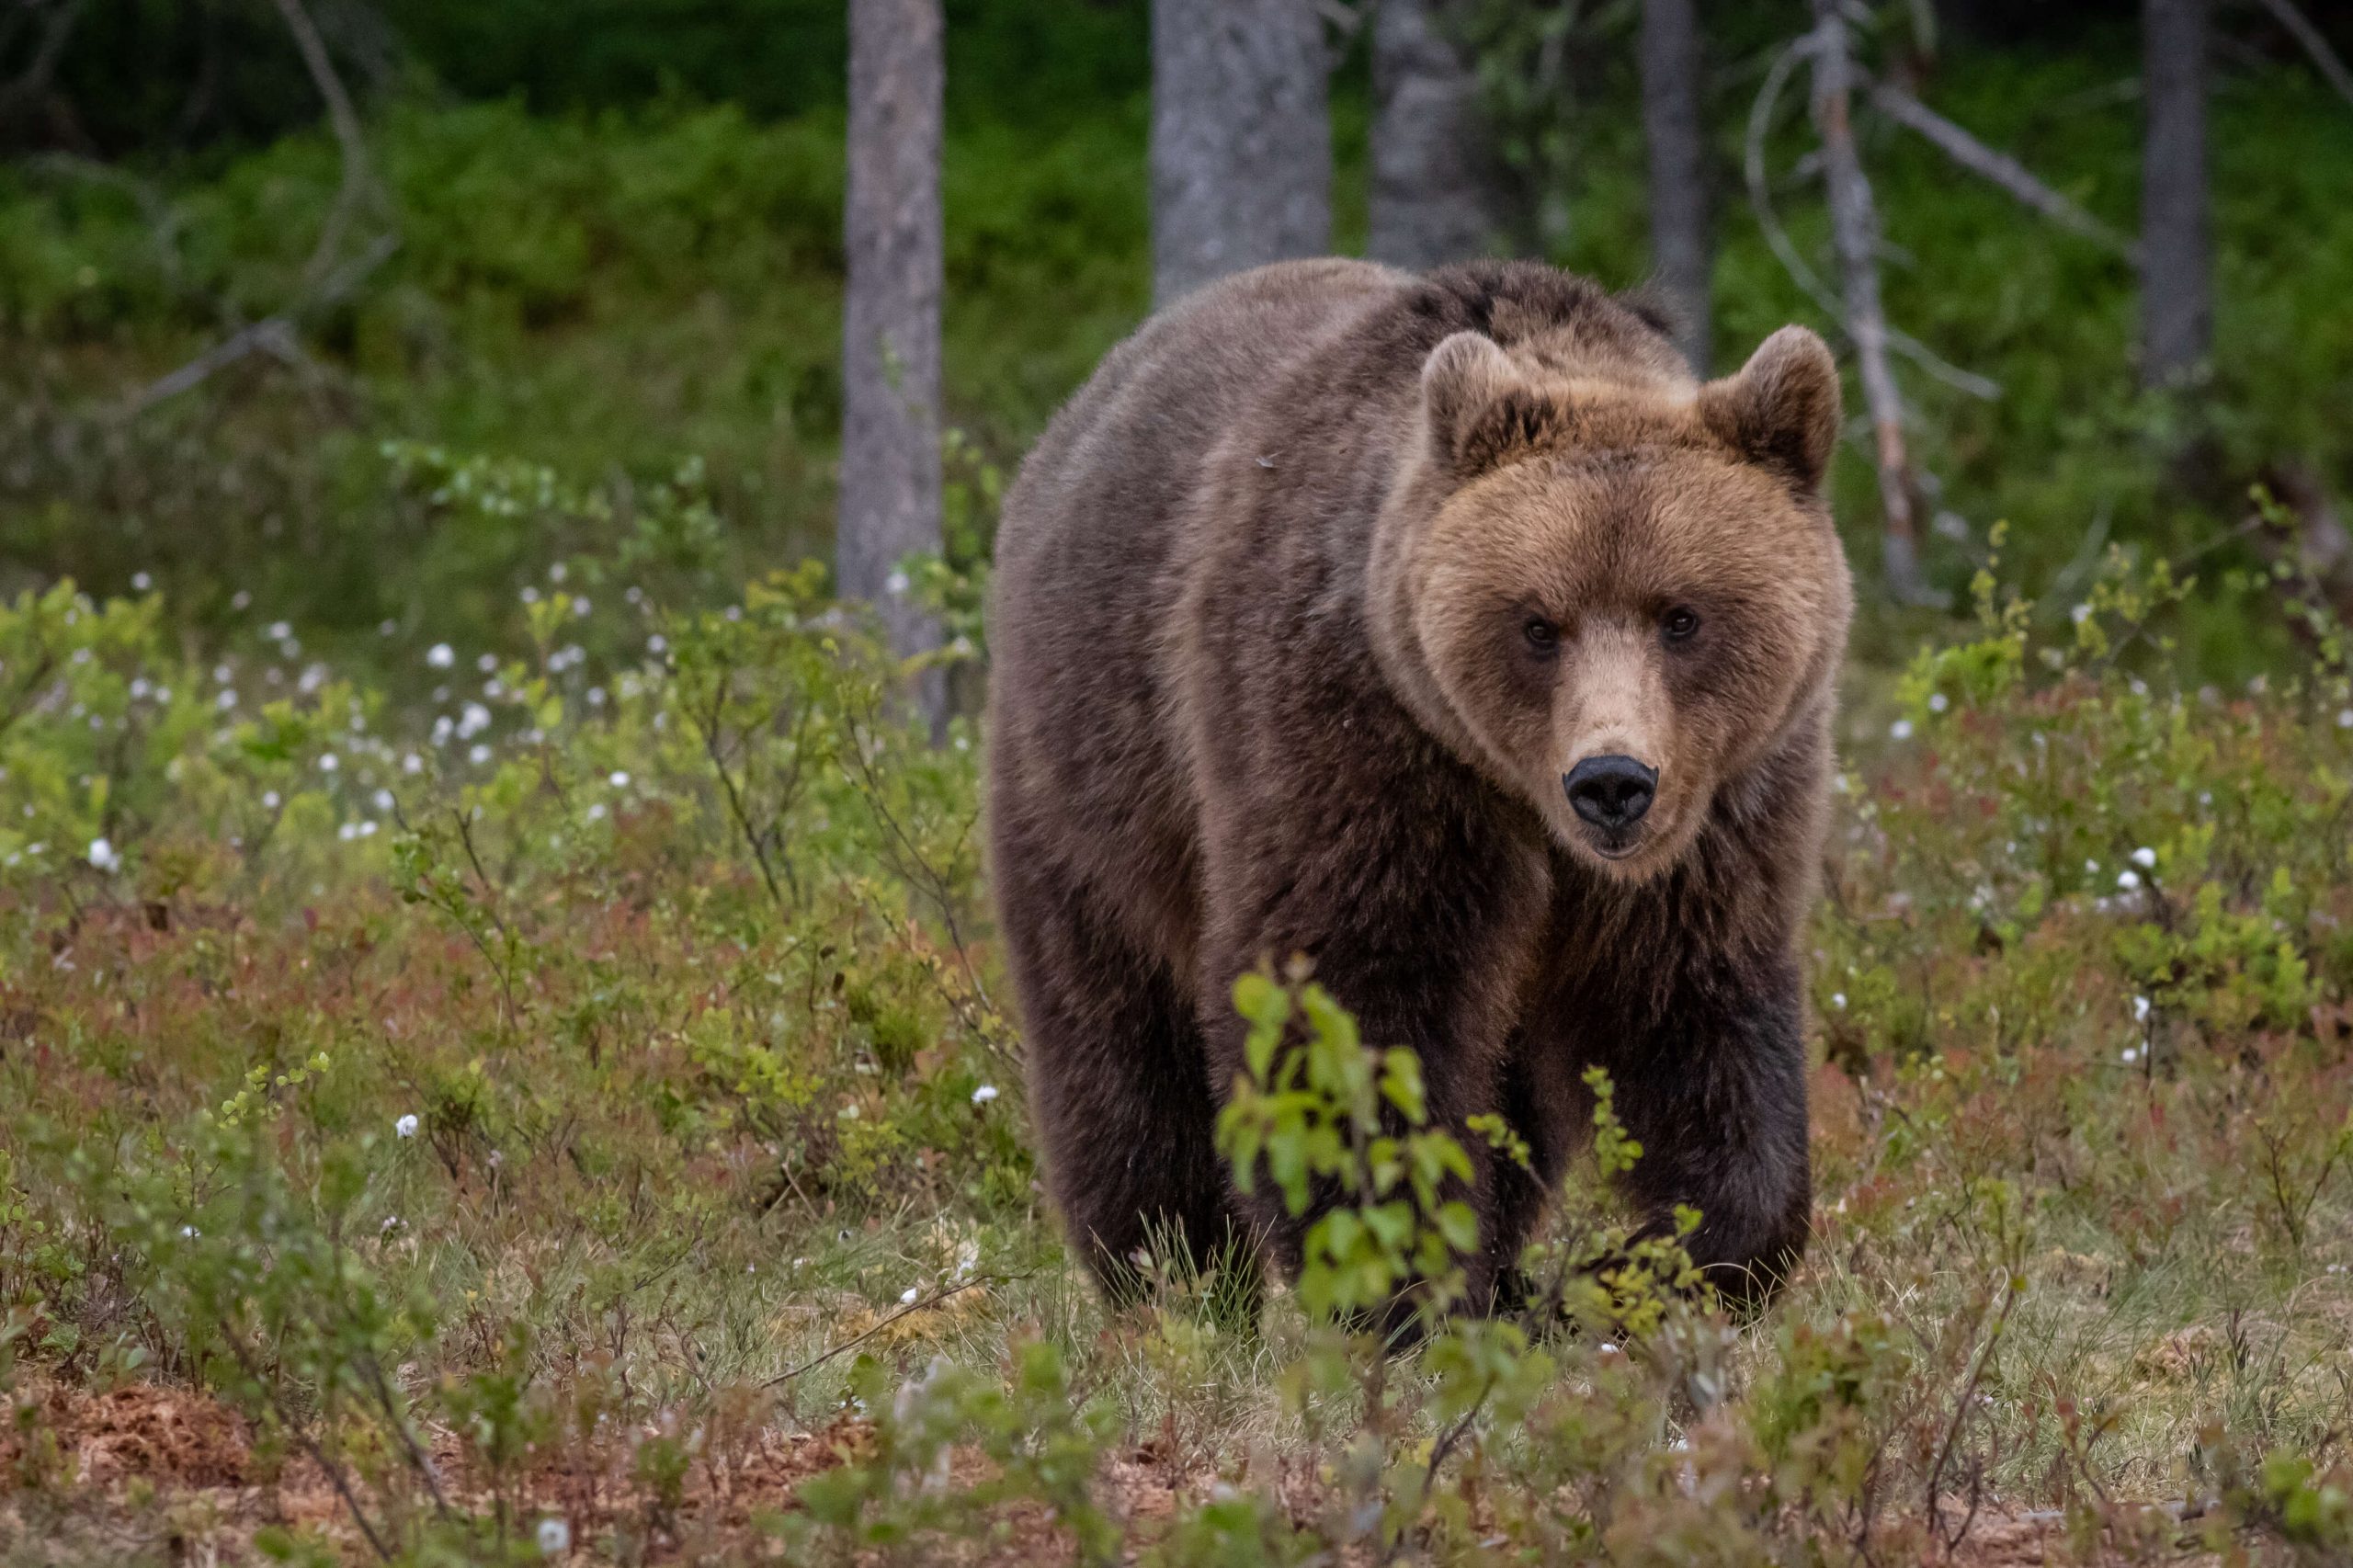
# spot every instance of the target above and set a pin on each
(890, 484)
(2176, 282)
(1241, 141)
(1675, 132)
(1854, 223)
(1438, 194)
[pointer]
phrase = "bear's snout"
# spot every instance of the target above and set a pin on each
(1610, 792)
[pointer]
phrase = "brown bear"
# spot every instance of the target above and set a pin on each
(1445, 630)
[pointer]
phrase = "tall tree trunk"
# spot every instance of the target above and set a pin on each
(1677, 135)
(2177, 267)
(890, 485)
(1438, 194)
(1241, 141)
(1854, 226)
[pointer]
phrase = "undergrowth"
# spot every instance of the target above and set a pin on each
(582, 1119)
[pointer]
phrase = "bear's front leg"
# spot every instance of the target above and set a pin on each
(1418, 925)
(1709, 1074)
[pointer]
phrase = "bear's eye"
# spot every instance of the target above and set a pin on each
(1681, 622)
(1543, 637)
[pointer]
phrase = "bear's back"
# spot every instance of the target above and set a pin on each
(1085, 766)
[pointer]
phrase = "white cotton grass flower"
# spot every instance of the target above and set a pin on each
(441, 656)
(1938, 702)
(2128, 880)
(1839, 1000)
(189, 1232)
(985, 1093)
(406, 1127)
(555, 1537)
(105, 856)
(2345, 718)
(2145, 858)
(618, 778)
(907, 1297)
(1901, 729)
(2131, 1053)
(2140, 1009)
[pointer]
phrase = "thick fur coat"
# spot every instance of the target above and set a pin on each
(1445, 630)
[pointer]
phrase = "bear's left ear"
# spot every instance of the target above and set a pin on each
(1782, 409)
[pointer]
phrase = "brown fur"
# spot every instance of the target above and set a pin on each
(1266, 683)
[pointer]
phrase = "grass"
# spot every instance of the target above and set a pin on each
(430, 1149)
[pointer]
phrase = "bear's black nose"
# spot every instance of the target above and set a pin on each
(1610, 792)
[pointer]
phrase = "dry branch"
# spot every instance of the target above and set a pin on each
(1760, 200)
(1994, 164)
(325, 283)
(1854, 223)
(2325, 59)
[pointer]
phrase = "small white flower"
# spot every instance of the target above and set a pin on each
(269, 799)
(1839, 1000)
(656, 643)
(441, 656)
(985, 1093)
(968, 1257)
(280, 631)
(2145, 858)
(103, 855)
(2345, 718)
(1938, 702)
(2128, 880)
(347, 832)
(1901, 729)
(472, 720)
(2140, 1009)
(2080, 614)
(555, 1538)
(406, 1127)
(392, 1223)
(141, 582)
(896, 583)
(907, 1297)
(479, 754)
(189, 1232)
(2091, 868)
(531, 595)
(1607, 1348)
(412, 762)
(226, 700)
(580, 608)
(618, 778)
(383, 799)
(329, 762)
(597, 812)
(2132, 1054)
(487, 663)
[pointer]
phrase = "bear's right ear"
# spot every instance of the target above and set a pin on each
(1465, 381)
(1782, 409)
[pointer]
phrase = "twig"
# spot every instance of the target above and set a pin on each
(2323, 58)
(358, 179)
(273, 335)
(335, 1477)
(1991, 164)
(858, 1339)
(324, 282)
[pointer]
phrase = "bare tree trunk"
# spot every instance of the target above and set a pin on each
(1854, 224)
(1241, 141)
(2177, 281)
(1675, 132)
(890, 485)
(1438, 194)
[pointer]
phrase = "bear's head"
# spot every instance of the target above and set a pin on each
(1616, 590)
